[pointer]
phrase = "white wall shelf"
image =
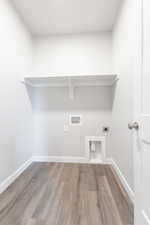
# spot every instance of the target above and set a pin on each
(75, 81)
(71, 82)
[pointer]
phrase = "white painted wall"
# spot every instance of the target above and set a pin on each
(15, 109)
(73, 54)
(52, 108)
(124, 55)
(52, 140)
(70, 55)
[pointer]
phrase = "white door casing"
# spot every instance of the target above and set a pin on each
(142, 115)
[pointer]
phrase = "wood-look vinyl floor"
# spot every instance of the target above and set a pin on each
(66, 194)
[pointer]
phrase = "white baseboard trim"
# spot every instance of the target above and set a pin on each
(108, 161)
(66, 159)
(145, 217)
(8, 181)
(123, 180)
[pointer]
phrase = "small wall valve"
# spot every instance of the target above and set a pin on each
(105, 129)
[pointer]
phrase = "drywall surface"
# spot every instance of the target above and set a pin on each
(123, 50)
(54, 136)
(15, 109)
(81, 54)
(73, 54)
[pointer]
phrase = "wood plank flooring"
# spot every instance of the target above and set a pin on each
(66, 194)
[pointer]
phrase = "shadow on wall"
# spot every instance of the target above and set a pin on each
(85, 98)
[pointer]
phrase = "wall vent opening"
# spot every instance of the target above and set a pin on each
(75, 120)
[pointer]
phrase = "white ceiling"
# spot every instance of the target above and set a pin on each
(45, 17)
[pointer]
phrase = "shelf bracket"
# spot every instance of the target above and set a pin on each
(70, 89)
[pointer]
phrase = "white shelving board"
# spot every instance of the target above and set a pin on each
(75, 81)
(71, 82)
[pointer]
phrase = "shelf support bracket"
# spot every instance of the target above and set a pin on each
(70, 89)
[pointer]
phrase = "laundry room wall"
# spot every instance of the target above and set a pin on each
(74, 54)
(15, 109)
(54, 136)
(65, 55)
